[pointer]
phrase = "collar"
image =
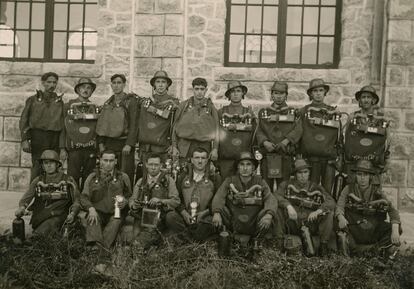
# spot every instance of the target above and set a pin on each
(198, 176)
(151, 179)
(276, 106)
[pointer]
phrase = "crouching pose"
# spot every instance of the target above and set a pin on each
(362, 210)
(244, 203)
(307, 209)
(56, 197)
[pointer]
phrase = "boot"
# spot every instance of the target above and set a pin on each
(323, 249)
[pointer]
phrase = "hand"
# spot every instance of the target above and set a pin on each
(217, 220)
(20, 212)
(101, 147)
(26, 146)
(293, 215)
(126, 150)
(314, 215)
(269, 146)
(280, 147)
(63, 155)
(92, 218)
(122, 204)
(214, 155)
(154, 201)
(342, 222)
(395, 234)
(265, 222)
(186, 216)
(70, 218)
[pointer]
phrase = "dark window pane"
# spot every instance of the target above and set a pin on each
(7, 14)
(326, 48)
(59, 45)
(76, 17)
(328, 2)
(254, 19)
(38, 16)
(61, 16)
(91, 16)
(269, 48)
(294, 20)
(309, 50)
(6, 41)
(295, 1)
(311, 2)
(22, 49)
(270, 20)
(37, 45)
(252, 49)
(23, 10)
(310, 19)
(236, 48)
(237, 19)
(90, 41)
(327, 21)
(292, 49)
(75, 46)
(271, 1)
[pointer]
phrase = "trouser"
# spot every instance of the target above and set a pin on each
(42, 140)
(49, 226)
(80, 164)
(322, 172)
(200, 231)
(285, 169)
(105, 232)
(322, 227)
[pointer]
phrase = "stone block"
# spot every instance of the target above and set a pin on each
(1, 128)
(202, 70)
(395, 116)
(174, 24)
(126, 42)
(20, 82)
(121, 29)
(19, 179)
(196, 24)
(221, 10)
(411, 175)
(102, 3)
(146, 24)
(257, 92)
(26, 68)
(85, 70)
(399, 30)
(120, 5)
(168, 6)
(401, 146)
(167, 46)
(409, 120)
(406, 198)
(9, 153)
(12, 104)
(410, 76)
(116, 62)
(145, 6)
(62, 69)
(143, 46)
(195, 42)
(206, 9)
(106, 18)
(25, 160)
(11, 129)
(231, 73)
(351, 63)
(5, 67)
(402, 9)
(173, 66)
(176, 89)
(3, 178)
(401, 53)
(124, 17)
(213, 40)
(337, 76)
(215, 56)
(395, 76)
(216, 26)
(142, 87)
(398, 97)
(398, 174)
(146, 67)
(361, 48)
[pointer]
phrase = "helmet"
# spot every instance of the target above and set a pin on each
(50, 155)
(280, 86)
(161, 74)
(233, 84)
(85, 80)
(317, 82)
(246, 156)
(364, 166)
(369, 89)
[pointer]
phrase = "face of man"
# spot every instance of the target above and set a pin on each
(236, 95)
(199, 92)
(302, 176)
(278, 97)
(50, 84)
(199, 161)
(160, 85)
(108, 162)
(366, 100)
(246, 168)
(363, 179)
(49, 166)
(318, 94)
(85, 90)
(118, 85)
(153, 166)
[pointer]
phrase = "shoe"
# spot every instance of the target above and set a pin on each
(323, 250)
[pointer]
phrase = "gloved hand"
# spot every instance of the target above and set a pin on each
(342, 222)
(217, 220)
(270, 147)
(265, 222)
(20, 212)
(293, 215)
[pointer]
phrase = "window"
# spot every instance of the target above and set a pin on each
(48, 30)
(283, 33)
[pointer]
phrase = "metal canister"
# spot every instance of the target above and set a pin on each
(307, 239)
(343, 245)
(224, 243)
(18, 229)
(118, 199)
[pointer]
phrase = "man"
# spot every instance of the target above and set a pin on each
(237, 124)
(79, 137)
(196, 123)
(155, 193)
(55, 194)
(277, 135)
(105, 191)
(196, 189)
(244, 202)
(41, 122)
(156, 116)
(362, 211)
(367, 134)
(305, 203)
(116, 127)
(321, 137)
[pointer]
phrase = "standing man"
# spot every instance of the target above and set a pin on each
(105, 191)
(41, 122)
(79, 135)
(322, 135)
(55, 194)
(305, 203)
(196, 123)
(237, 124)
(277, 135)
(116, 127)
(362, 211)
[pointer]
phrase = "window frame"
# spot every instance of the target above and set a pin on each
(48, 31)
(281, 36)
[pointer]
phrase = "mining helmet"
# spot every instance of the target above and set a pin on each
(161, 74)
(85, 80)
(364, 166)
(317, 82)
(246, 156)
(50, 155)
(280, 86)
(301, 164)
(369, 89)
(232, 85)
